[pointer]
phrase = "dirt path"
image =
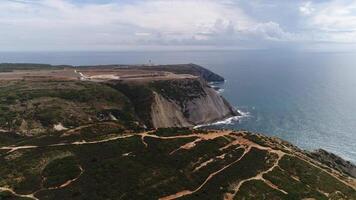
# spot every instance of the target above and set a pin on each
(247, 144)
(12, 149)
(259, 176)
(30, 196)
(67, 183)
(16, 148)
(189, 192)
(3, 131)
(71, 131)
(187, 146)
(238, 140)
(68, 132)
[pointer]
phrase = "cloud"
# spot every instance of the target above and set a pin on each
(114, 24)
(271, 31)
(332, 21)
(306, 8)
(66, 24)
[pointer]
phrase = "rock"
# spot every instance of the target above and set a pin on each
(334, 161)
(187, 103)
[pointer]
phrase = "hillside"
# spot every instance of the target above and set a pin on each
(165, 164)
(38, 98)
(40, 107)
(109, 133)
(32, 107)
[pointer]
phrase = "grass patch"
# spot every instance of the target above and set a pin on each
(59, 171)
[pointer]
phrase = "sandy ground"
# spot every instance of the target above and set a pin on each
(92, 74)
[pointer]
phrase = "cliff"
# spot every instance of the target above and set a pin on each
(177, 103)
(65, 137)
(187, 103)
(40, 107)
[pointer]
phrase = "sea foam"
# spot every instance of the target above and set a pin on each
(227, 121)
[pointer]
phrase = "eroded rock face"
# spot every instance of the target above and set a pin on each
(176, 102)
(209, 108)
(186, 103)
(166, 113)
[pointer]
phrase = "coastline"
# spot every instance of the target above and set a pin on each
(226, 121)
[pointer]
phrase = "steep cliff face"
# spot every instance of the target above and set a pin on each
(165, 113)
(186, 103)
(209, 108)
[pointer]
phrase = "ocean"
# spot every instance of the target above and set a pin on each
(306, 98)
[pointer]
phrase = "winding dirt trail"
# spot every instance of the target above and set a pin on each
(30, 196)
(259, 176)
(67, 183)
(189, 192)
(143, 135)
(3, 131)
(247, 145)
(16, 148)
(238, 140)
(12, 149)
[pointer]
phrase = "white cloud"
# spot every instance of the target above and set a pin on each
(306, 8)
(271, 31)
(62, 24)
(333, 21)
(336, 16)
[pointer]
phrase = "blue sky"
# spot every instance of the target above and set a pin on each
(31, 25)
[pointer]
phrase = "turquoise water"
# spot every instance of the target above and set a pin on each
(306, 98)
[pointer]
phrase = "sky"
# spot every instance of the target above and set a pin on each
(107, 25)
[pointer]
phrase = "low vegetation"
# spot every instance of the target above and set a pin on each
(9, 67)
(32, 107)
(63, 139)
(160, 164)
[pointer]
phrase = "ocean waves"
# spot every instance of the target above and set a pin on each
(227, 121)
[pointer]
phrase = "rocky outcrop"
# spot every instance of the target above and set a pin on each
(165, 113)
(187, 103)
(175, 102)
(334, 161)
(209, 108)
